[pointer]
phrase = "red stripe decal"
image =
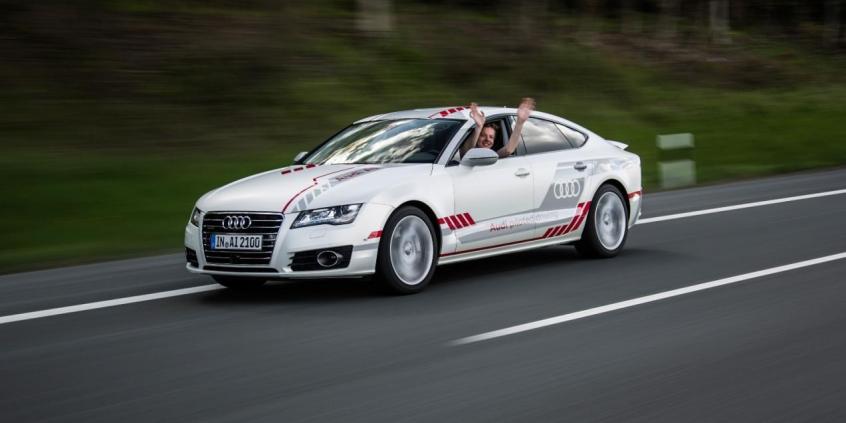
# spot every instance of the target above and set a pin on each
(313, 184)
(561, 230)
(546, 234)
(441, 221)
(455, 222)
(449, 223)
(375, 234)
(585, 212)
(569, 227)
(447, 112)
(635, 194)
(286, 171)
(462, 220)
(298, 169)
(469, 219)
(309, 166)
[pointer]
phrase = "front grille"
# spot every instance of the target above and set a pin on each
(266, 224)
(307, 260)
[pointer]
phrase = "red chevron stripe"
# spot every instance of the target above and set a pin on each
(462, 220)
(449, 223)
(569, 227)
(548, 231)
(455, 222)
(585, 212)
(469, 218)
(557, 231)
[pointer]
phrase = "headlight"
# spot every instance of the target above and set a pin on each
(195, 217)
(338, 215)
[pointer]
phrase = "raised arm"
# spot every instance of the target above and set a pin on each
(479, 118)
(527, 105)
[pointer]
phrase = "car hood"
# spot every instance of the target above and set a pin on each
(296, 188)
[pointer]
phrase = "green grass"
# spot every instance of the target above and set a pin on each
(108, 144)
(78, 208)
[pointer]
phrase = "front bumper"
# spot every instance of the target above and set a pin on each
(363, 234)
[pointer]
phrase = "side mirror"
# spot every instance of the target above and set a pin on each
(300, 156)
(479, 157)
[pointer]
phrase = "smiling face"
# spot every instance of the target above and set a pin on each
(486, 137)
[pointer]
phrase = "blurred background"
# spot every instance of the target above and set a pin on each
(115, 116)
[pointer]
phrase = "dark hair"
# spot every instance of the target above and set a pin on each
(490, 125)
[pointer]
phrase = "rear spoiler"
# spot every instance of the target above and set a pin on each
(618, 144)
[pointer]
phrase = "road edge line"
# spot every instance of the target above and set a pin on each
(106, 303)
(525, 327)
(739, 206)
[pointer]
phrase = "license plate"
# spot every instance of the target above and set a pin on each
(235, 242)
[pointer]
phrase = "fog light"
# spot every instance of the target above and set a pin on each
(328, 258)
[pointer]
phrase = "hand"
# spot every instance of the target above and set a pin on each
(477, 115)
(527, 105)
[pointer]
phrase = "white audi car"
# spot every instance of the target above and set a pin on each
(390, 196)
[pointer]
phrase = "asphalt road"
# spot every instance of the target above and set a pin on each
(767, 349)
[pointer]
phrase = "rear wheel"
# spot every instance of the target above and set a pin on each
(239, 283)
(607, 224)
(407, 252)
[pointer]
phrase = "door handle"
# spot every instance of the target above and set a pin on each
(580, 166)
(521, 172)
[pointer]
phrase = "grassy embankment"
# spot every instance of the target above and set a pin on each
(107, 147)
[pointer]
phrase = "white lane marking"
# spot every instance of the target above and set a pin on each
(641, 300)
(204, 288)
(739, 206)
(107, 303)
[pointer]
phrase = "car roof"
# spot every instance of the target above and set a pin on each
(463, 113)
(447, 112)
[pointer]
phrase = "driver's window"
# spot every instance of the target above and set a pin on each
(500, 139)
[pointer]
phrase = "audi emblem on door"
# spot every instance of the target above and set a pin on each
(566, 189)
(236, 222)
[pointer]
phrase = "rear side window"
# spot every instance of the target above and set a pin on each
(541, 136)
(575, 137)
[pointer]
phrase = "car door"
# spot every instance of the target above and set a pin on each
(561, 177)
(493, 204)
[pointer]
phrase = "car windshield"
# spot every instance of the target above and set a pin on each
(387, 141)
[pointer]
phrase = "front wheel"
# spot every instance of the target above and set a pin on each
(407, 252)
(607, 224)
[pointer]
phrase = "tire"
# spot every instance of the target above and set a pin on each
(607, 226)
(239, 283)
(408, 252)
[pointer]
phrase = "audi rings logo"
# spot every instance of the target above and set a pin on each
(236, 222)
(566, 189)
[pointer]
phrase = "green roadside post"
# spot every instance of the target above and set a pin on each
(676, 166)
